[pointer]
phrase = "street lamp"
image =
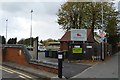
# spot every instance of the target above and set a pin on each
(31, 29)
(6, 29)
(103, 55)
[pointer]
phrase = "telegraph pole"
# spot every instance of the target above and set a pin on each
(103, 54)
(6, 29)
(31, 30)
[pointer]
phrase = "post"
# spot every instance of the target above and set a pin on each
(60, 58)
(37, 49)
(31, 30)
(103, 56)
(6, 29)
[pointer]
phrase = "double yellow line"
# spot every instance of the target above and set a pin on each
(13, 71)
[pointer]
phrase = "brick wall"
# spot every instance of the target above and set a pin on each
(63, 46)
(16, 55)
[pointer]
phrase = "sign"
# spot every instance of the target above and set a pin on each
(60, 56)
(77, 50)
(103, 38)
(102, 33)
(89, 46)
(78, 35)
(76, 46)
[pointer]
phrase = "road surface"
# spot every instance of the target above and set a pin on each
(9, 73)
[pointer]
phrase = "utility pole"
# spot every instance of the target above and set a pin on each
(6, 29)
(103, 54)
(31, 30)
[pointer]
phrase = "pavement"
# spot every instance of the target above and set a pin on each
(105, 69)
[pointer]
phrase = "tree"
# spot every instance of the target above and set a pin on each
(113, 38)
(86, 15)
(26, 41)
(41, 41)
(2, 40)
(21, 41)
(12, 41)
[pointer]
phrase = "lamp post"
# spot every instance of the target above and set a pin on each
(6, 29)
(31, 29)
(103, 55)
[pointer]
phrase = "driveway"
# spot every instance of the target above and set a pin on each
(69, 69)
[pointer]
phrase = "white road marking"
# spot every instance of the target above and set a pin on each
(13, 71)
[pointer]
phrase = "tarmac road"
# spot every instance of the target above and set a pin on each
(72, 69)
(9, 73)
(69, 69)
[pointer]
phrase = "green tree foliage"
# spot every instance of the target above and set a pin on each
(41, 41)
(21, 41)
(2, 40)
(12, 41)
(26, 41)
(86, 15)
(112, 32)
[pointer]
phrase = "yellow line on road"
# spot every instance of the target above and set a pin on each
(13, 71)
(6, 70)
(21, 76)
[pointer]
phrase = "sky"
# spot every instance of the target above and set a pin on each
(44, 18)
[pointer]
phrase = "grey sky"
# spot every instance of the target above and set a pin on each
(44, 19)
(18, 14)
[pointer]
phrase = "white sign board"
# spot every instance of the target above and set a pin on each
(78, 35)
(60, 56)
(76, 46)
(89, 46)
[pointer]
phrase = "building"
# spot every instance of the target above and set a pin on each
(84, 46)
(80, 45)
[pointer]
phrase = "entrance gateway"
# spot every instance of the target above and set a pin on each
(80, 44)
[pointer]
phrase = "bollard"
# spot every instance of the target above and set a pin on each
(60, 58)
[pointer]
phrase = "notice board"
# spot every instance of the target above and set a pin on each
(77, 50)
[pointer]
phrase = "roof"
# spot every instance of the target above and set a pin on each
(54, 43)
(67, 36)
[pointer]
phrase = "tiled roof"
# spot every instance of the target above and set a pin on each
(66, 36)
